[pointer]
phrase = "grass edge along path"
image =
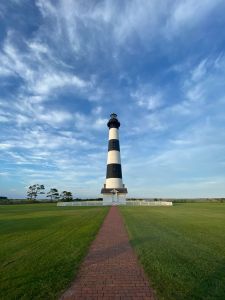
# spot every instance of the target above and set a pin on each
(42, 247)
(111, 269)
(181, 248)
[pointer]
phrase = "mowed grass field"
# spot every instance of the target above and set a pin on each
(182, 248)
(41, 247)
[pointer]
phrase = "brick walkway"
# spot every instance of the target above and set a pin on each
(111, 269)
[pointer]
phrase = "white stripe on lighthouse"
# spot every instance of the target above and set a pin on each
(112, 183)
(113, 157)
(113, 134)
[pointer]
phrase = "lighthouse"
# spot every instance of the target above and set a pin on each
(114, 191)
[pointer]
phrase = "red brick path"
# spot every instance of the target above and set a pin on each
(111, 269)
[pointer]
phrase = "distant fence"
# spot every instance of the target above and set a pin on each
(128, 203)
(80, 203)
(149, 203)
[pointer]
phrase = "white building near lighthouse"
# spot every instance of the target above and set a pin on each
(114, 191)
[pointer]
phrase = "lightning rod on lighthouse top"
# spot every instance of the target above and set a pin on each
(114, 191)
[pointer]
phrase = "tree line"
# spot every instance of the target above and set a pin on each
(39, 189)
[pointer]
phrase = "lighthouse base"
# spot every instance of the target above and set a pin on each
(117, 199)
(114, 196)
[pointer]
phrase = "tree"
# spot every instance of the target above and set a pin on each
(35, 190)
(66, 196)
(31, 193)
(53, 194)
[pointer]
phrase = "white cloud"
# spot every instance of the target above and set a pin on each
(199, 82)
(181, 141)
(96, 94)
(38, 48)
(154, 122)
(146, 98)
(54, 117)
(147, 123)
(4, 146)
(97, 110)
(22, 119)
(14, 61)
(89, 123)
(200, 70)
(46, 8)
(27, 111)
(189, 13)
(120, 22)
(4, 119)
(99, 123)
(38, 138)
(40, 74)
(4, 72)
(19, 159)
(195, 93)
(150, 102)
(55, 80)
(105, 20)
(4, 174)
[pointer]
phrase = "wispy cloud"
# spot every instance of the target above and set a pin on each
(146, 98)
(190, 13)
(158, 64)
(42, 79)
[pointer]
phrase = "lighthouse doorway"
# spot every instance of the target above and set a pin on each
(115, 200)
(114, 197)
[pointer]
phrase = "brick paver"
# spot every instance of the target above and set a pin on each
(111, 269)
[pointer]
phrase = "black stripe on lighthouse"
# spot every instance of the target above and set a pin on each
(114, 144)
(114, 171)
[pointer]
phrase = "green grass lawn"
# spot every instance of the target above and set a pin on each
(42, 246)
(182, 248)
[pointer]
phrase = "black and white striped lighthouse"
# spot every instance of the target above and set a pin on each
(114, 191)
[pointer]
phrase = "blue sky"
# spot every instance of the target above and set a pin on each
(66, 65)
